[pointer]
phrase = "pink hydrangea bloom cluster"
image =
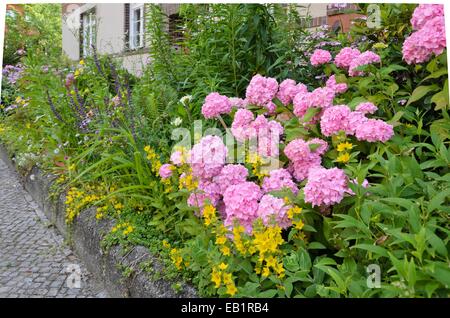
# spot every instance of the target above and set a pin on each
(261, 90)
(289, 89)
(374, 130)
(320, 57)
(241, 203)
(335, 119)
(345, 56)
(208, 157)
(341, 118)
(176, 158)
(302, 157)
(429, 39)
(365, 58)
(424, 13)
(321, 97)
(215, 105)
(165, 171)
(230, 175)
(274, 210)
(366, 108)
(338, 88)
(238, 102)
(325, 186)
(278, 180)
(267, 132)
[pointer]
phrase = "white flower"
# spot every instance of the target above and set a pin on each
(86, 138)
(185, 99)
(32, 177)
(56, 151)
(176, 122)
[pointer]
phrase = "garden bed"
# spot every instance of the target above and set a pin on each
(124, 273)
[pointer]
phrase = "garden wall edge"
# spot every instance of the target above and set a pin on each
(85, 235)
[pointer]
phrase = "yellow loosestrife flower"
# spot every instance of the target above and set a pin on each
(343, 146)
(343, 157)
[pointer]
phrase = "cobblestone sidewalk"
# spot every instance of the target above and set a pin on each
(34, 261)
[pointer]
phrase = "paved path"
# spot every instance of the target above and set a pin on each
(34, 260)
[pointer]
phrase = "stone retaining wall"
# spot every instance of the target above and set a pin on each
(85, 235)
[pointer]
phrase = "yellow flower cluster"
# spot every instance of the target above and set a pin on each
(221, 240)
(219, 276)
(266, 242)
(154, 159)
(101, 211)
(292, 214)
(176, 257)
(125, 227)
(257, 168)
(344, 155)
(187, 181)
(209, 214)
(76, 200)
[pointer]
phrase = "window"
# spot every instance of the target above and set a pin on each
(136, 25)
(87, 32)
(175, 28)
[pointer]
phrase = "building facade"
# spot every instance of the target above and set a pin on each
(114, 29)
(118, 30)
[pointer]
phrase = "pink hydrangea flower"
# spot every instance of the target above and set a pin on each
(366, 108)
(271, 108)
(261, 90)
(320, 57)
(230, 175)
(216, 104)
(325, 186)
(176, 158)
(277, 180)
(241, 204)
(420, 46)
(238, 102)
(208, 157)
(323, 145)
(338, 88)
(321, 97)
(355, 119)
(274, 211)
(289, 89)
(166, 170)
(344, 58)
(302, 157)
(200, 199)
(240, 128)
(424, 13)
(365, 58)
(335, 119)
(374, 130)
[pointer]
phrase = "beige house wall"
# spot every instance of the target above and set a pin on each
(110, 34)
(313, 9)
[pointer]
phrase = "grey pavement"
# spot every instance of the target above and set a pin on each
(34, 260)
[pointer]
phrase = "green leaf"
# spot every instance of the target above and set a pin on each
(438, 200)
(440, 99)
(268, 293)
(436, 243)
(316, 246)
(381, 251)
(436, 74)
(420, 92)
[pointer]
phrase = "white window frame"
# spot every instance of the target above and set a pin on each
(89, 24)
(136, 36)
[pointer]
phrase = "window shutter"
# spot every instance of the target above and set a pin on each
(81, 36)
(127, 26)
